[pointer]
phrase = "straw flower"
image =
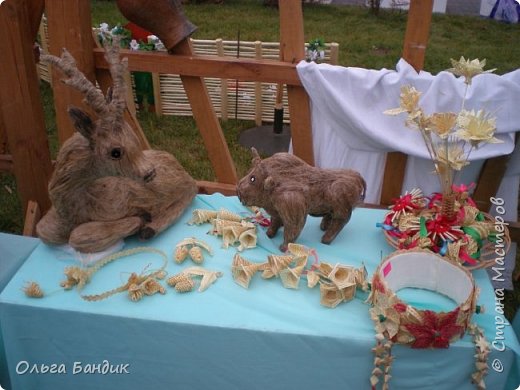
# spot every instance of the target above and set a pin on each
(441, 123)
(468, 69)
(455, 158)
(476, 127)
(409, 100)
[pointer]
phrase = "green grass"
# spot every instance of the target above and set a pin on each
(365, 41)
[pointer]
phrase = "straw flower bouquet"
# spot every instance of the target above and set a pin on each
(448, 222)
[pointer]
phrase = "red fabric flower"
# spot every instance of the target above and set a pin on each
(378, 285)
(400, 307)
(434, 331)
(441, 227)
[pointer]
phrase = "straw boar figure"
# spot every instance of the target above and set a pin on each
(289, 189)
(104, 186)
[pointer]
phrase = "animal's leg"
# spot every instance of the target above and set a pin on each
(52, 229)
(276, 223)
(97, 236)
(293, 211)
(336, 224)
(325, 222)
(163, 219)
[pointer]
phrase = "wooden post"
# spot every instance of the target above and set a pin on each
(258, 88)
(35, 12)
(417, 32)
(223, 85)
(334, 53)
(20, 104)
(292, 48)
(414, 51)
(156, 82)
(207, 122)
(69, 25)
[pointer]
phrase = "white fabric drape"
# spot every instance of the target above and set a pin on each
(351, 131)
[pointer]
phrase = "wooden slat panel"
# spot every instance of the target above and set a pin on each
(207, 122)
(414, 51)
(242, 69)
(21, 106)
(70, 27)
(292, 51)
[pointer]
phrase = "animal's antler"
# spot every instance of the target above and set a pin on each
(76, 79)
(110, 108)
(118, 68)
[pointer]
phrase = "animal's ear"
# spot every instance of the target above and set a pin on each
(269, 183)
(82, 122)
(256, 156)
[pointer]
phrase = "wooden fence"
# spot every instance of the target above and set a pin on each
(230, 98)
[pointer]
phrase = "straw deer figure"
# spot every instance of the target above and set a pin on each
(289, 189)
(104, 186)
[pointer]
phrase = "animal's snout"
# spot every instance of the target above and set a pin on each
(150, 175)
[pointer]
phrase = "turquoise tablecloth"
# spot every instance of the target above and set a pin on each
(267, 337)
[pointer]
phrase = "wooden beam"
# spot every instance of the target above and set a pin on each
(489, 180)
(207, 121)
(70, 27)
(242, 69)
(211, 187)
(292, 51)
(21, 107)
(414, 51)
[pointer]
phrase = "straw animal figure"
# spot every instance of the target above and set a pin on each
(104, 186)
(289, 189)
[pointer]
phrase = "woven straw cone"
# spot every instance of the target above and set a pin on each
(247, 239)
(291, 276)
(342, 276)
(330, 295)
(218, 225)
(228, 215)
(277, 262)
(201, 216)
(243, 270)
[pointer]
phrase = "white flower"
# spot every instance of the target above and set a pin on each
(104, 27)
(134, 45)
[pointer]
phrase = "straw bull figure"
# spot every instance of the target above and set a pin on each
(288, 189)
(104, 186)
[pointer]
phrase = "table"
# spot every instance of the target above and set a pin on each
(266, 337)
(13, 251)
